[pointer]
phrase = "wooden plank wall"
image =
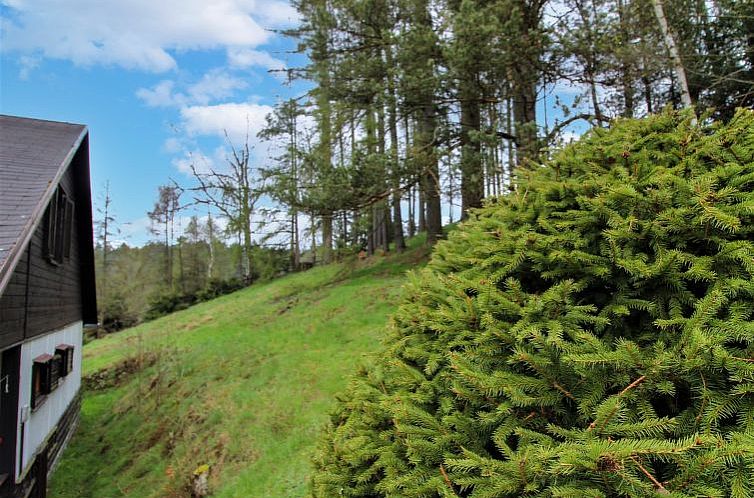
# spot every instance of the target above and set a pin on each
(13, 305)
(54, 292)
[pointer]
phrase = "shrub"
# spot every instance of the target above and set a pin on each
(165, 302)
(216, 288)
(588, 335)
(115, 315)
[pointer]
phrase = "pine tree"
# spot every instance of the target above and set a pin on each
(589, 334)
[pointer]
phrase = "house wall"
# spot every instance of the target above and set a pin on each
(13, 305)
(35, 428)
(42, 296)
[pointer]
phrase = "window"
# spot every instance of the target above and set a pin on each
(44, 379)
(65, 351)
(59, 227)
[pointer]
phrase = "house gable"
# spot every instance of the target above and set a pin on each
(37, 295)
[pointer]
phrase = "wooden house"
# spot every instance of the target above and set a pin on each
(47, 294)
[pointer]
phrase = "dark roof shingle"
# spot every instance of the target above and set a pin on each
(33, 157)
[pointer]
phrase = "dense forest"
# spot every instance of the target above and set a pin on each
(420, 106)
(417, 111)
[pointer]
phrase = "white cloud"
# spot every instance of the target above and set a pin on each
(216, 84)
(161, 95)
(172, 145)
(239, 120)
(134, 232)
(137, 34)
(246, 57)
(274, 13)
(197, 160)
(28, 64)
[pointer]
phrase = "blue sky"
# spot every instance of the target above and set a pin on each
(156, 81)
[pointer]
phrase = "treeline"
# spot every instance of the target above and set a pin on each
(417, 111)
(420, 109)
(142, 283)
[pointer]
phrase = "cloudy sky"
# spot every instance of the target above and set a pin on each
(158, 82)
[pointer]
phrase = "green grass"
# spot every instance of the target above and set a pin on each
(242, 383)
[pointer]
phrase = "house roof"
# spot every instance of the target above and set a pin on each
(34, 154)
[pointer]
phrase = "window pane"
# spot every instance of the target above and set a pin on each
(60, 225)
(51, 225)
(68, 223)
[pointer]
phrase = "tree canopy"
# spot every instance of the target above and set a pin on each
(589, 335)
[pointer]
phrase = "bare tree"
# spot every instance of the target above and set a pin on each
(106, 228)
(234, 193)
(162, 219)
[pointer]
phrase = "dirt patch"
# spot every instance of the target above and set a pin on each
(118, 373)
(290, 304)
(196, 323)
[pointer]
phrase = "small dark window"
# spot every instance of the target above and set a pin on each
(68, 228)
(44, 378)
(59, 227)
(65, 351)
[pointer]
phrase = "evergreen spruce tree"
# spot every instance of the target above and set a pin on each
(589, 334)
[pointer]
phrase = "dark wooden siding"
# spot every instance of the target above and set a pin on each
(13, 305)
(54, 290)
(53, 299)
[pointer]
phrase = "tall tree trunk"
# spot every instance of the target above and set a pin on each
(321, 57)
(509, 129)
(105, 251)
(168, 255)
(211, 246)
(411, 210)
(295, 242)
(526, 75)
(370, 231)
(249, 259)
(431, 173)
(412, 191)
(451, 192)
(422, 207)
(313, 220)
(647, 86)
(472, 175)
(181, 275)
(326, 220)
(370, 131)
(680, 71)
(400, 243)
(246, 211)
(590, 66)
(626, 73)
(382, 206)
(354, 231)
(423, 97)
(466, 65)
(241, 257)
(525, 113)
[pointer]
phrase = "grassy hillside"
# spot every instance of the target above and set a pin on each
(242, 384)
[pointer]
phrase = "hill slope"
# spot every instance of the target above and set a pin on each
(242, 383)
